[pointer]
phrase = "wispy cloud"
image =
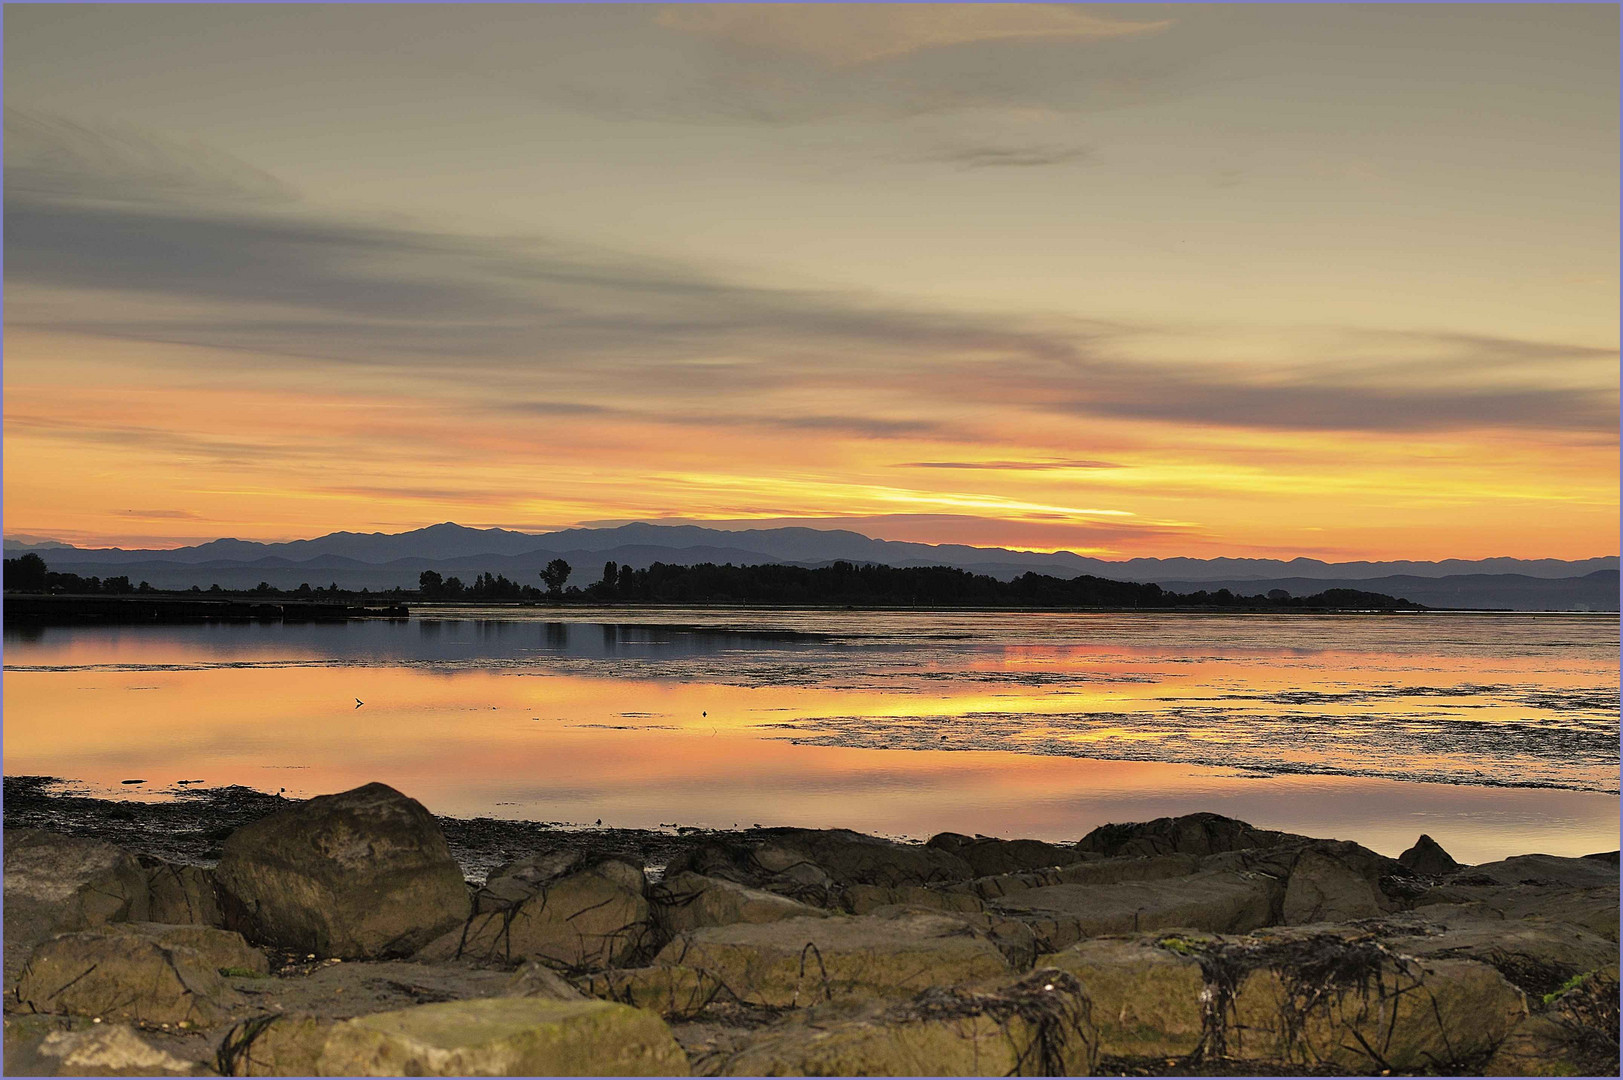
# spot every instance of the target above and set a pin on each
(1007, 156)
(847, 35)
(555, 328)
(1050, 465)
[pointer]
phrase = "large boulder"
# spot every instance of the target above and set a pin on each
(142, 972)
(687, 901)
(987, 855)
(1191, 834)
(596, 917)
(1061, 915)
(1574, 1033)
(55, 883)
(359, 875)
(804, 961)
(1149, 999)
(1428, 859)
(1035, 1026)
(181, 894)
(1536, 956)
(504, 1037)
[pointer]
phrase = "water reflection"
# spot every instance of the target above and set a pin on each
(1009, 724)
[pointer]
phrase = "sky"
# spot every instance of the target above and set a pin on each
(1130, 279)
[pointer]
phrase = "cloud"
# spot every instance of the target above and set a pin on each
(1053, 464)
(993, 156)
(553, 328)
(848, 35)
(154, 515)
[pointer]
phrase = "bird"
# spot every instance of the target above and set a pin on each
(704, 714)
(359, 703)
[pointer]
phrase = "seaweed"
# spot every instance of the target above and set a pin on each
(1052, 1002)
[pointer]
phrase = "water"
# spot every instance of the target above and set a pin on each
(1497, 734)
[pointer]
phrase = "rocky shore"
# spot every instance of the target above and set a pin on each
(232, 933)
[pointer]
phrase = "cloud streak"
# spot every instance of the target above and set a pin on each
(568, 330)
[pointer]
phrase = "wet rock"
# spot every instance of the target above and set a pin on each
(55, 883)
(987, 856)
(863, 899)
(593, 918)
(1035, 1026)
(803, 961)
(1061, 915)
(144, 972)
(1428, 858)
(1148, 1000)
(687, 901)
(504, 1037)
(359, 875)
(1190, 834)
(181, 894)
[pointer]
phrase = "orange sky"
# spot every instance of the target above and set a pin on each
(1125, 280)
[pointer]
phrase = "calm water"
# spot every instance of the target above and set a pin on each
(1496, 734)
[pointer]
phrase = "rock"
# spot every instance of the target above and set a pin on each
(1191, 834)
(1061, 915)
(181, 894)
(803, 961)
(1148, 1000)
(1575, 1034)
(55, 883)
(1578, 892)
(863, 899)
(675, 992)
(1535, 956)
(505, 1037)
(105, 1050)
(593, 918)
(987, 856)
(274, 1045)
(538, 980)
(1035, 1026)
(359, 875)
(1323, 888)
(814, 865)
(1428, 858)
(1326, 1000)
(1102, 871)
(687, 901)
(144, 972)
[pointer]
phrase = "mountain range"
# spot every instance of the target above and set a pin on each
(387, 560)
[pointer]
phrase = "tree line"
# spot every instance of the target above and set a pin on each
(841, 583)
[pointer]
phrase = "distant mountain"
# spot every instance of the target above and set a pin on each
(387, 560)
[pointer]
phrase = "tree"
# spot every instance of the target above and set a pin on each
(430, 584)
(611, 577)
(26, 574)
(554, 576)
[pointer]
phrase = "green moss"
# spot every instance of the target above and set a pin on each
(243, 973)
(1566, 987)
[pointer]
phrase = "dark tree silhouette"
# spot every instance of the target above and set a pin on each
(26, 574)
(556, 573)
